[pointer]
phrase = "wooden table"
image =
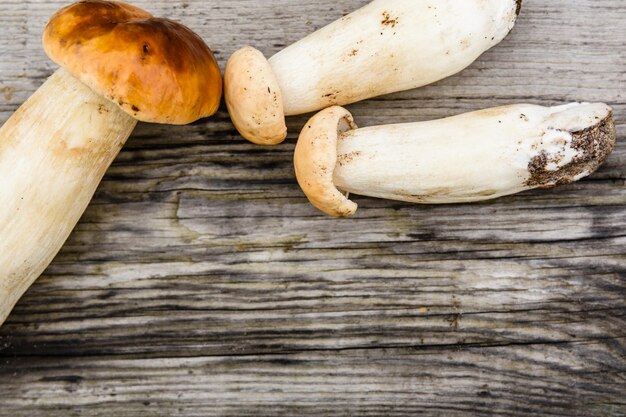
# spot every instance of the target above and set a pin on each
(200, 282)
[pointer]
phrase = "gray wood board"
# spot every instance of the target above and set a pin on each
(200, 282)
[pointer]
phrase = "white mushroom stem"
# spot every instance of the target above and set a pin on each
(54, 152)
(384, 47)
(472, 157)
(388, 46)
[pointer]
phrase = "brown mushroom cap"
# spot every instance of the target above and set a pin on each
(315, 159)
(253, 98)
(155, 69)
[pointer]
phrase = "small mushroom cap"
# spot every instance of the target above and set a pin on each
(316, 157)
(253, 98)
(155, 69)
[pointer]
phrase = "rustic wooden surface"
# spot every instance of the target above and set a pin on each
(201, 283)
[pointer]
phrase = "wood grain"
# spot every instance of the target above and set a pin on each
(200, 282)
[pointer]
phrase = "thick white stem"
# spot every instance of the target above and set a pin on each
(388, 46)
(475, 156)
(54, 152)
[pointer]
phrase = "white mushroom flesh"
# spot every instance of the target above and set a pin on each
(389, 46)
(475, 156)
(54, 152)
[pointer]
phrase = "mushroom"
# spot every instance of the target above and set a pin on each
(384, 47)
(467, 158)
(119, 65)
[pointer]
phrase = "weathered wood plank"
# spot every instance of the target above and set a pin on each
(572, 379)
(201, 282)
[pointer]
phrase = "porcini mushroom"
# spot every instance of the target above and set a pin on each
(467, 158)
(384, 47)
(120, 65)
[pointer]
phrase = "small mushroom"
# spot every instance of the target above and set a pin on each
(467, 158)
(120, 65)
(384, 47)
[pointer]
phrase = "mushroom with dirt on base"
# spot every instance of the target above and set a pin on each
(467, 158)
(120, 65)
